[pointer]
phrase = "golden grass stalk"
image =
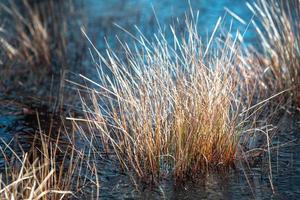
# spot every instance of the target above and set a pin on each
(176, 108)
(51, 169)
(31, 181)
(277, 59)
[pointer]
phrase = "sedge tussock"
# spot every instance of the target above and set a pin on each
(171, 108)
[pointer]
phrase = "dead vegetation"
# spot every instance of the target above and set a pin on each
(175, 109)
(277, 59)
(51, 169)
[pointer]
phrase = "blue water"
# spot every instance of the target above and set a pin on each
(99, 18)
(147, 14)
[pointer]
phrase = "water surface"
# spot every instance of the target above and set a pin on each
(99, 18)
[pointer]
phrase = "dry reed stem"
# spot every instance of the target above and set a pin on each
(277, 59)
(172, 107)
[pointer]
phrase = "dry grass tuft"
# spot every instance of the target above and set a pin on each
(277, 60)
(176, 108)
(36, 34)
(32, 181)
(51, 169)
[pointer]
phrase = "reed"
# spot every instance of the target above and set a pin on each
(276, 60)
(172, 108)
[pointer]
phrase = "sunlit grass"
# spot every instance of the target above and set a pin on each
(172, 108)
(277, 59)
(166, 108)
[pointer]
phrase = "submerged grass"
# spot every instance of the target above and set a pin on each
(174, 108)
(51, 169)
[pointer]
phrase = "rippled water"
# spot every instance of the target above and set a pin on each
(146, 14)
(243, 183)
(99, 18)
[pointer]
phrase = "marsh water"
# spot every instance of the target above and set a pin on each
(99, 18)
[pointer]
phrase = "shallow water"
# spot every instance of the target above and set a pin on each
(99, 18)
(242, 183)
(148, 15)
(253, 183)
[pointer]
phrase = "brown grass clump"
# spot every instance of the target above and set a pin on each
(277, 59)
(172, 108)
(51, 169)
(32, 181)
